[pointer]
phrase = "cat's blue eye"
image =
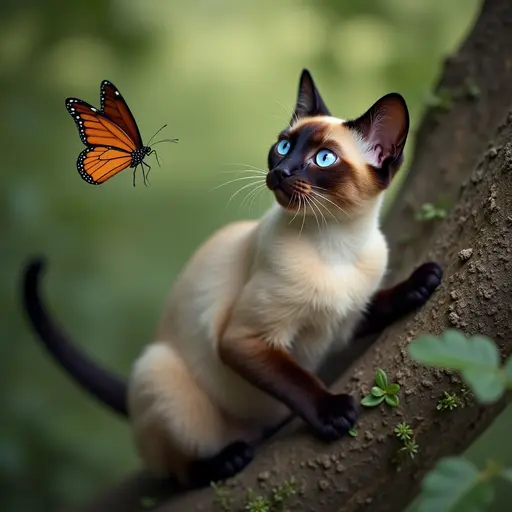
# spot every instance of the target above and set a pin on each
(325, 158)
(283, 147)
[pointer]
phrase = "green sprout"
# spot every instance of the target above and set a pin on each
(449, 401)
(410, 448)
(382, 392)
(277, 501)
(353, 432)
(283, 492)
(257, 503)
(429, 211)
(404, 432)
(466, 396)
(222, 496)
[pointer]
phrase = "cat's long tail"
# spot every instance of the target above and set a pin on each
(99, 382)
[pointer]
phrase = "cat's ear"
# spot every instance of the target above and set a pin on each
(383, 130)
(309, 101)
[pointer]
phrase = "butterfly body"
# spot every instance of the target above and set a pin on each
(111, 135)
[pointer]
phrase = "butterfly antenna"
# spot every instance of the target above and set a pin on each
(165, 140)
(158, 131)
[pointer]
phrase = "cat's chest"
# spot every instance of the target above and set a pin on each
(314, 290)
(310, 280)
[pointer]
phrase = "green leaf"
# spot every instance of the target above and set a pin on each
(477, 359)
(381, 379)
(508, 371)
(393, 389)
(392, 400)
(376, 391)
(454, 485)
(352, 432)
(452, 350)
(487, 387)
(372, 401)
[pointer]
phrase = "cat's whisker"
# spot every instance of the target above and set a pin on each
(357, 203)
(242, 178)
(318, 204)
(303, 219)
(316, 194)
(251, 193)
(238, 171)
(298, 209)
(314, 202)
(258, 193)
(259, 202)
(327, 136)
(289, 115)
(248, 167)
(316, 187)
(240, 190)
(288, 111)
(328, 211)
(331, 202)
(308, 200)
(281, 118)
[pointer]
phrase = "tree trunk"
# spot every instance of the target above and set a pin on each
(358, 473)
(449, 143)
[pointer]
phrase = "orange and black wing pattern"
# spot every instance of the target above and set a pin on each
(110, 148)
(97, 164)
(111, 135)
(114, 106)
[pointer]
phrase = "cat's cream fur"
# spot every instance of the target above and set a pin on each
(295, 284)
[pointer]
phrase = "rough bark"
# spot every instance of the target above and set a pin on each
(448, 143)
(357, 474)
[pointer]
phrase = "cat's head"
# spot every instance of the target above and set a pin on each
(323, 160)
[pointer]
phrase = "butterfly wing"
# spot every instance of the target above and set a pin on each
(115, 108)
(95, 129)
(98, 164)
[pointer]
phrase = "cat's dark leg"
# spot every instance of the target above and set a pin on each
(230, 461)
(388, 305)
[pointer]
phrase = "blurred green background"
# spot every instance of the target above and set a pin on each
(223, 75)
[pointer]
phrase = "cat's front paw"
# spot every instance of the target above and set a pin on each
(336, 415)
(226, 464)
(422, 283)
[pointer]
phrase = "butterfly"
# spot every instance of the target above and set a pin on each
(111, 135)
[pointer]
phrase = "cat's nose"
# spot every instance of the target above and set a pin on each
(276, 176)
(282, 174)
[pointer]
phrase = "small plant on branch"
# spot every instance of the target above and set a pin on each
(449, 401)
(382, 391)
(410, 448)
(353, 432)
(404, 432)
(429, 211)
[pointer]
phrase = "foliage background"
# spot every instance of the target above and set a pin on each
(223, 75)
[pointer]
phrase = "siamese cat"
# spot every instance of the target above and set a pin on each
(261, 303)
